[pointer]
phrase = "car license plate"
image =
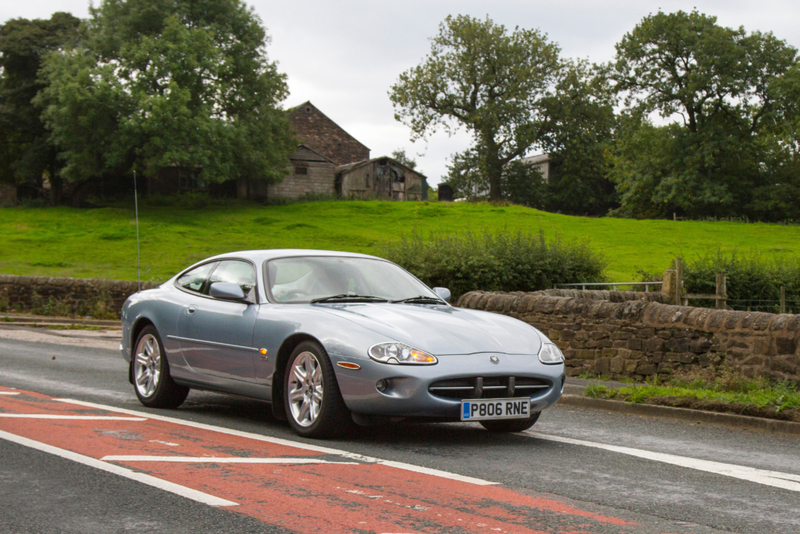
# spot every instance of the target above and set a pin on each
(481, 409)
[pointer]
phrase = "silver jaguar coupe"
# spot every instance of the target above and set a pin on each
(332, 338)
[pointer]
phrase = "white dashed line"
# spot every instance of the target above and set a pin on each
(9, 392)
(751, 474)
(171, 487)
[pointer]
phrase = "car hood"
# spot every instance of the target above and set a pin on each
(442, 330)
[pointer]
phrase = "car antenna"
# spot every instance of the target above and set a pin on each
(136, 210)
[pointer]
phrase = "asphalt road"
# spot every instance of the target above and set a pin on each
(577, 470)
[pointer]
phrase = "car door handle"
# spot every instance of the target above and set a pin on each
(190, 309)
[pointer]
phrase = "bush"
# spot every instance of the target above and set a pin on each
(495, 262)
(752, 280)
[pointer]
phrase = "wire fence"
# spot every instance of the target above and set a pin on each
(769, 306)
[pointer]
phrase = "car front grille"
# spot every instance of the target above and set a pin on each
(489, 387)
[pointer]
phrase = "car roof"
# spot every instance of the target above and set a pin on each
(259, 256)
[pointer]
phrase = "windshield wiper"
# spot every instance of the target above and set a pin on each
(420, 299)
(344, 297)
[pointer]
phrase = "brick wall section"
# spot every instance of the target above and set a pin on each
(316, 130)
(634, 335)
(21, 292)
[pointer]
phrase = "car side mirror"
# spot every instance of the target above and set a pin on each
(226, 291)
(443, 293)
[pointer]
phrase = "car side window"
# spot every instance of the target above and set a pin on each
(240, 273)
(193, 280)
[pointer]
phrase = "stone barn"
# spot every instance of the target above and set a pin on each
(381, 178)
(311, 173)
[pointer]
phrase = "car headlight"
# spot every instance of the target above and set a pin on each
(399, 353)
(550, 354)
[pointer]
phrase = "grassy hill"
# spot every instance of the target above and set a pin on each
(101, 243)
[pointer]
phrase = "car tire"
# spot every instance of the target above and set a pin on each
(510, 425)
(150, 372)
(314, 404)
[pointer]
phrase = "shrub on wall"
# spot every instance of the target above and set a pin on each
(752, 281)
(495, 261)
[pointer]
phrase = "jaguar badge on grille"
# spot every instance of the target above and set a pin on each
(494, 359)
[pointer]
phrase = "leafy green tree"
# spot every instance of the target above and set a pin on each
(578, 137)
(716, 80)
(25, 151)
(485, 79)
(155, 84)
(400, 155)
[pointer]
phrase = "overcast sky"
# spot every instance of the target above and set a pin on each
(344, 55)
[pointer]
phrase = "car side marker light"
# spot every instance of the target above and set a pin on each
(263, 353)
(348, 365)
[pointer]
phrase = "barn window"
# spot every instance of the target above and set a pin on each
(301, 169)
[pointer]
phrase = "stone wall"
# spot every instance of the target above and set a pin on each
(62, 296)
(634, 335)
(319, 178)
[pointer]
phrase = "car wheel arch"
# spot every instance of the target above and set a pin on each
(284, 352)
(140, 324)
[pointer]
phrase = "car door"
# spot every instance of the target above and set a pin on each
(216, 334)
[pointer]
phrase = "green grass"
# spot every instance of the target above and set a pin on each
(759, 392)
(101, 243)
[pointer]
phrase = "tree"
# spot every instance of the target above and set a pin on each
(491, 82)
(578, 137)
(400, 155)
(25, 151)
(155, 84)
(717, 81)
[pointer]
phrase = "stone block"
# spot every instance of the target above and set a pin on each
(762, 321)
(602, 366)
(749, 319)
(779, 322)
(605, 343)
(677, 345)
(654, 345)
(786, 345)
(608, 353)
(646, 369)
(699, 346)
(687, 357)
(665, 367)
(617, 365)
(733, 319)
(636, 344)
(630, 366)
(715, 319)
(646, 333)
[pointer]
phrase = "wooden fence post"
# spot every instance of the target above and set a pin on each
(678, 280)
(783, 299)
(722, 292)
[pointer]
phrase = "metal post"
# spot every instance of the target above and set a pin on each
(722, 292)
(783, 299)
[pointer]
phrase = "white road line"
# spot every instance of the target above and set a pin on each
(217, 460)
(177, 489)
(289, 443)
(71, 417)
(9, 392)
(759, 476)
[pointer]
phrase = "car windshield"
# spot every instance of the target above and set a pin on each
(335, 279)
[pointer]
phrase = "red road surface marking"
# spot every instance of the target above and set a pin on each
(264, 478)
